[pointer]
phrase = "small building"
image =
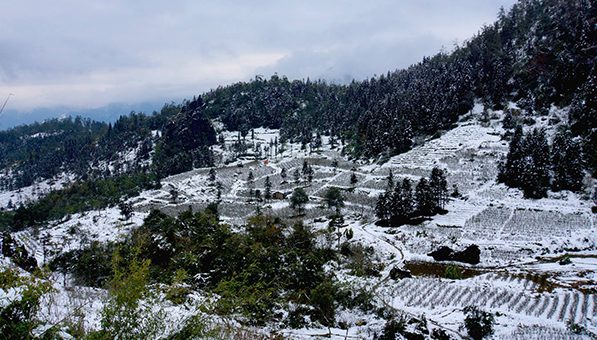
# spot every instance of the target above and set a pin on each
(278, 195)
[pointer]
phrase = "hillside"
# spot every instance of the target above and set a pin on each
(453, 199)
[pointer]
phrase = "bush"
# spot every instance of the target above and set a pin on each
(453, 273)
(91, 266)
(576, 328)
(392, 328)
(123, 317)
(360, 260)
(351, 297)
(565, 260)
(18, 314)
(440, 334)
(478, 323)
(322, 298)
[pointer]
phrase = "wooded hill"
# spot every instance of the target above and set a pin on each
(538, 54)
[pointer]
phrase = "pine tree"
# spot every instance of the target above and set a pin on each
(298, 199)
(251, 183)
(381, 207)
(283, 174)
(335, 165)
(439, 186)
(333, 198)
(424, 198)
(511, 171)
(219, 187)
(310, 174)
(126, 210)
(535, 165)
(408, 202)
(390, 180)
(212, 175)
(353, 179)
(305, 170)
(268, 189)
(567, 162)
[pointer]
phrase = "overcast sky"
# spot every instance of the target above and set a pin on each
(89, 54)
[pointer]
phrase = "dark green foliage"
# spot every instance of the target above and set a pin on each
(333, 198)
(359, 260)
(529, 163)
(44, 150)
(400, 205)
(576, 328)
(382, 210)
(254, 272)
(90, 266)
(426, 203)
(440, 334)
(508, 121)
(439, 187)
(583, 114)
(453, 273)
(82, 196)
(18, 318)
(212, 175)
(353, 179)
(17, 252)
(510, 171)
(283, 174)
(185, 142)
(126, 210)
(351, 297)
(268, 189)
(392, 328)
(535, 165)
(478, 323)
(390, 184)
(6, 219)
(298, 199)
(567, 162)
(539, 52)
(323, 298)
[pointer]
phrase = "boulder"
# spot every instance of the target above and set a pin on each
(397, 273)
(469, 255)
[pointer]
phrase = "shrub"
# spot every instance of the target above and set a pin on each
(91, 266)
(18, 313)
(360, 260)
(478, 323)
(453, 273)
(392, 328)
(565, 260)
(323, 299)
(576, 328)
(440, 334)
(123, 317)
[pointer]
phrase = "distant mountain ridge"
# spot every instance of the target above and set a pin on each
(108, 113)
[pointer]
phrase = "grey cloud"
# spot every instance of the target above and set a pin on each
(88, 54)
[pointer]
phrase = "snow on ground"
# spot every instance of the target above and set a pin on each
(510, 230)
(76, 231)
(11, 199)
(521, 240)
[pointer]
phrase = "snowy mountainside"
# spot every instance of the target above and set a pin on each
(521, 240)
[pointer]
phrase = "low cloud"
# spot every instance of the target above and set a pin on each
(74, 53)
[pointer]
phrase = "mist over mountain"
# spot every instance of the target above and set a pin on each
(108, 113)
